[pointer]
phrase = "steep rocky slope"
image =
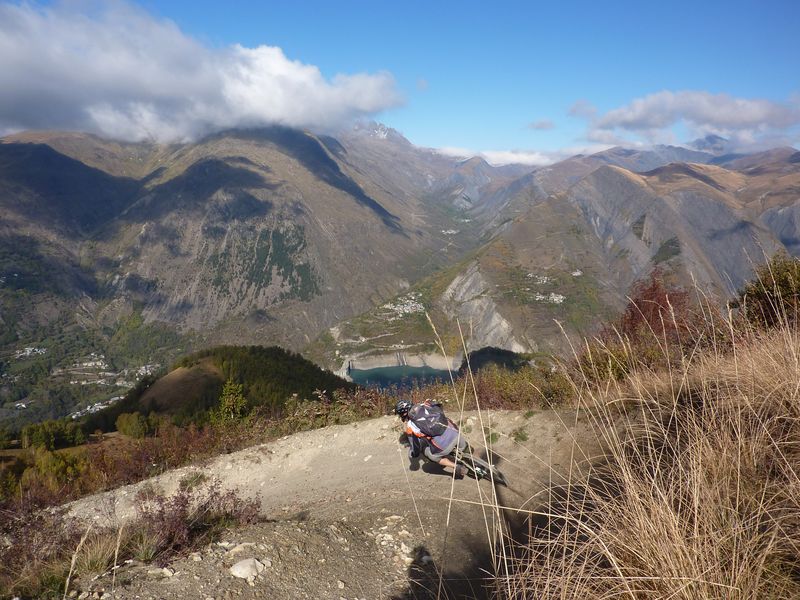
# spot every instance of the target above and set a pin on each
(269, 233)
(559, 259)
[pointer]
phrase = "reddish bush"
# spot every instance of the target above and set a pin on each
(654, 308)
(187, 519)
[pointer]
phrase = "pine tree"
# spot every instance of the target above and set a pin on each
(232, 403)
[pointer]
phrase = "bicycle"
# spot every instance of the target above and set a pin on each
(477, 467)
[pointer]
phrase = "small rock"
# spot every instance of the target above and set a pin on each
(240, 548)
(247, 568)
(167, 572)
(367, 457)
(340, 584)
(196, 557)
(267, 563)
(73, 594)
(83, 596)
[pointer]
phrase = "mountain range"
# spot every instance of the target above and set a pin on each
(338, 245)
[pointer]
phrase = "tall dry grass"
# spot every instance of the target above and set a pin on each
(699, 493)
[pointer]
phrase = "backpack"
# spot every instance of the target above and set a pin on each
(429, 418)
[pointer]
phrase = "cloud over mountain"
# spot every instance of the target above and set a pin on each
(502, 157)
(119, 71)
(748, 122)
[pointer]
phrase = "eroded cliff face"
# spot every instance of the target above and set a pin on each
(468, 300)
(685, 217)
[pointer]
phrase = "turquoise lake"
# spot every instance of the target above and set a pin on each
(402, 376)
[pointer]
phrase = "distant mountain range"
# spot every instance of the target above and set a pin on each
(280, 236)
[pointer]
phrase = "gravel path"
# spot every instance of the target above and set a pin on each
(346, 516)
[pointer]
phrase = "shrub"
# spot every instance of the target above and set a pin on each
(658, 326)
(54, 471)
(654, 308)
(188, 519)
(772, 297)
(52, 435)
(133, 425)
(35, 561)
(232, 403)
(539, 386)
(9, 478)
(5, 438)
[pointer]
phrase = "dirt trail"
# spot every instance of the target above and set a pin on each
(353, 483)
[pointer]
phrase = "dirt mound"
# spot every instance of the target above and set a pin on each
(183, 389)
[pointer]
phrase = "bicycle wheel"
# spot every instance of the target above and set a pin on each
(481, 469)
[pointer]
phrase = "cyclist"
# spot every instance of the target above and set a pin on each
(430, 432)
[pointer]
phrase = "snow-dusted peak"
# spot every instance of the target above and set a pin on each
(377, 131)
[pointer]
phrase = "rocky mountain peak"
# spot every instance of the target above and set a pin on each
(712, 143)
(379, 131)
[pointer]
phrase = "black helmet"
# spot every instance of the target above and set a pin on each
(402, 407)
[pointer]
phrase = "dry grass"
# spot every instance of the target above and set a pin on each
(699, 495)
(96, 556)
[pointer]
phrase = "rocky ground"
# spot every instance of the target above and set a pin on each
(344, 517)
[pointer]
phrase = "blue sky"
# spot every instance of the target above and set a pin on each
(474, 75)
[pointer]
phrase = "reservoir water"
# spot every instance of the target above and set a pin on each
(401, 376)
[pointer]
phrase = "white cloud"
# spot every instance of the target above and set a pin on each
(121, 72)
(502, 157)
(721, 111)
(747, 123)
(520, 157)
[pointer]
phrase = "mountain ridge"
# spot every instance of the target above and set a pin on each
(279, 235)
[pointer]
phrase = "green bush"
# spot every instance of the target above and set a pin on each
(133, 425)
(232, 403)
(5, 438)
(772, 297)
(52, 435)
(10, 474)
(54, 470)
